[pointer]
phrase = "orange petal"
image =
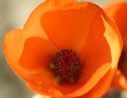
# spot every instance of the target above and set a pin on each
(61, 2)
(12, 42)
(32, 27)
(96, 52)
(118, 11)
(77, 89)
(67, 26)
(37, 53)
(101, 87)
(119, 81)
(29, 68)
(11, 47)
(36, 57)
(15, 48)
(100, 48)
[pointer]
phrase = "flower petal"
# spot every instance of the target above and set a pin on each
(119, 81)
(30, 66)
(12, 44)
(67, 26)
(32, 27)
(78, 89)
(118, 11)
(61, 2)
(100, 47)
(101, 87)
(37, 53)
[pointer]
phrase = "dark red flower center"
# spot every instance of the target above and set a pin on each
(66, 65)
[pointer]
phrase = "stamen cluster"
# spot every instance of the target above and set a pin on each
(66, 65)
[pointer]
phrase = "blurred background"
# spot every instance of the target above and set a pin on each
(13, 14)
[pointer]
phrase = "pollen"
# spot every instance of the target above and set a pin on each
(66, 65)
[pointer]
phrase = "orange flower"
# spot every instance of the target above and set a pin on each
(118, 11)
(66, 49)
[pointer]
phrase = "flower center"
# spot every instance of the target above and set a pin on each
(66, 65)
